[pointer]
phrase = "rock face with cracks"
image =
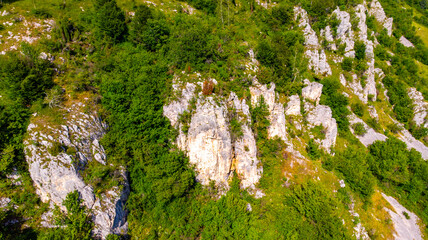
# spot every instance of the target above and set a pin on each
(245, 149)
(57, 174)
(208, 141)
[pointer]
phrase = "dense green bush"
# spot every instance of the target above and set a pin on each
(398, 97)
(360, 50)
(109, 21)
(313, 150)
(156, 34)
(358, 109)
(139, 22)
(353, 164)
(359, 129)
(333, 98)
(347, 64)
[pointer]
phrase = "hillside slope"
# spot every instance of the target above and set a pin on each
(213, 119)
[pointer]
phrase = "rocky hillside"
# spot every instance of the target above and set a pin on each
(213, 119)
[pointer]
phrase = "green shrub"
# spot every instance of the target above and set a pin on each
(110, 21)
(56, 148)
(394, 127)
(333, 97)
(347, 64)
(313, 150)
(139, 22)
(156, 34)
(360, 50)
(41, 13)
(358, 109)
(318, 132)
(352, 163)
(2, 27)
(359, 129)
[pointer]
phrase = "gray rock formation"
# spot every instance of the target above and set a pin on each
(420, 107)
(312, 91)
(322, 115)
(276, 110)
(404, 228)
(209, 144)
(174, 109)
(208, 141)
(245, 149)
(55, 176)
(344, 31)
(293, 106)
(411, 142)
(316, 55)
(377, 11)
(370, 136)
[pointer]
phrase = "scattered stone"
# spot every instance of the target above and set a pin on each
(342, 183)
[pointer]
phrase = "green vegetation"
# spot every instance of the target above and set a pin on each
(359, 129)
(332, 97)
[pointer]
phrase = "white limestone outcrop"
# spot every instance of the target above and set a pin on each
(404, 228)
(377, 11)
(420, 107)
(276, 110)
(208, 142)
(312, 91)
(293, 106)
(317, 57)
(406, 42)
(370, 136)
(322, 115)
(56, 175)
(245, 149)
(344, 31)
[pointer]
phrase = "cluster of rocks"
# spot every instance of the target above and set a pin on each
(55, 174)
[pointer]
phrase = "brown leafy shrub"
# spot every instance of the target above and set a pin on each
(208, 87)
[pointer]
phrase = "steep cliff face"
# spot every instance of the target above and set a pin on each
(56, 155)
(208, 141)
